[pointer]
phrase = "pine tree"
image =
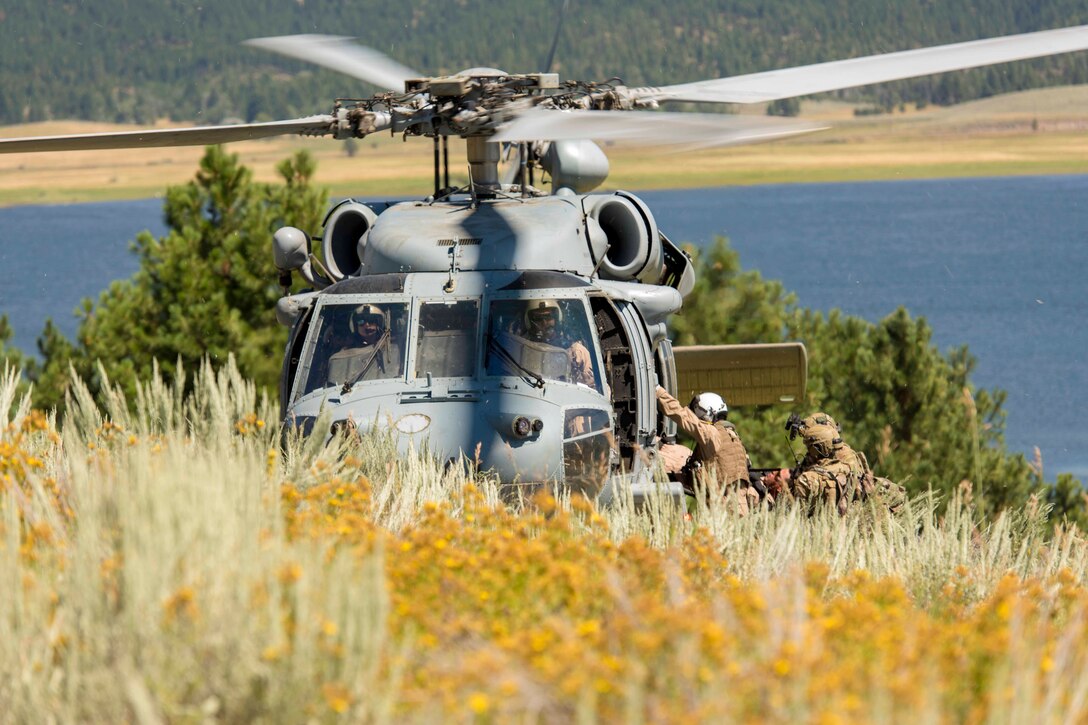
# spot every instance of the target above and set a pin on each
(11, 358)
(1069, 501)
(206, 289)
(912, 409)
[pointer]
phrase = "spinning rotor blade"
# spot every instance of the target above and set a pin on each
(550, 60)
(511, 160)
(696, 130)
(340, 54)
(512, 152)
(198, 136)
(805, 80)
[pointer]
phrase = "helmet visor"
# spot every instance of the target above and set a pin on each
(541, 317)
(369, 320)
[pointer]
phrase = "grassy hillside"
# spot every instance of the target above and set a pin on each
(172, 565)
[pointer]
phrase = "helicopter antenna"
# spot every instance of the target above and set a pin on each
(446, 161)
(437, 179)
(472, 189)
(526, 152)
(523, 153)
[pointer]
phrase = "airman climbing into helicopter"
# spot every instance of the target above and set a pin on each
(719, 452)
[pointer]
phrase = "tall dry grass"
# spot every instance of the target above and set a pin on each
(172, 564)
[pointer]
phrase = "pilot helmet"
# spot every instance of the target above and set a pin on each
(709, 407)
(539, 307)
(363, 312)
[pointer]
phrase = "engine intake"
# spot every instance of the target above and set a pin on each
(342, 243)
(622, 228)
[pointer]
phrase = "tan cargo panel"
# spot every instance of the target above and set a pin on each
(743, 374)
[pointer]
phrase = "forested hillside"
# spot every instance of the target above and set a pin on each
(129, 60)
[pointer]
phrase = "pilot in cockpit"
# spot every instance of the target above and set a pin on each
(543, 323)
(370, 354)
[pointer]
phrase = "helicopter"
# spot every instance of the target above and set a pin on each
(523, 329)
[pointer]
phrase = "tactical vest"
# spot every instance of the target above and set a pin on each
(854, 459)
(833, 482)
(731, 461)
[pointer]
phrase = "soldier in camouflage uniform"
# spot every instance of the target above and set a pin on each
(718, 448)
(821, 479)
(841, 451)
(835, 473)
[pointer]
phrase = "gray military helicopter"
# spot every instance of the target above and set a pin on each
(524, 329)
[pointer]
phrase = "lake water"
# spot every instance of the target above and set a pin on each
(996, 264)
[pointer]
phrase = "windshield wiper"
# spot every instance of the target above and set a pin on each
(534, 379)
(359, 376)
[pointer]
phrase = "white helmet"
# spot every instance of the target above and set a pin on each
(538, 306)
(709, 407)
(368, 311)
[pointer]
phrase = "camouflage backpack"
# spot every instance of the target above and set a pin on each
(834, 482)
(890, 494)
(831, 482)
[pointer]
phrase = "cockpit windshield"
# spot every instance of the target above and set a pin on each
(447, 339)
(543, 339)
(357, 343)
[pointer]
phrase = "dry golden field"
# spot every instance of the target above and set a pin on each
(1035, 132)
(174, 565)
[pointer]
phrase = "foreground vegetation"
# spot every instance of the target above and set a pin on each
(171, 564)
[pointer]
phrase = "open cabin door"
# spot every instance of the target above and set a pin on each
(628, 370)
(665, 360)
(743, 374)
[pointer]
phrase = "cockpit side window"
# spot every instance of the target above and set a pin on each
(357, 343)
(447, 339)
(543, 337)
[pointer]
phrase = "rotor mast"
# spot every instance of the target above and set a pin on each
(483, 162)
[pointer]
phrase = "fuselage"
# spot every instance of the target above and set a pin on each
(433, 340)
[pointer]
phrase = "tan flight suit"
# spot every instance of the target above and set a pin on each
(581, 371)
(717, 446)
(674, 457)
(581, 365)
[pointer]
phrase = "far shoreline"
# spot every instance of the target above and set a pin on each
(367, 191)
(1039, 132)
